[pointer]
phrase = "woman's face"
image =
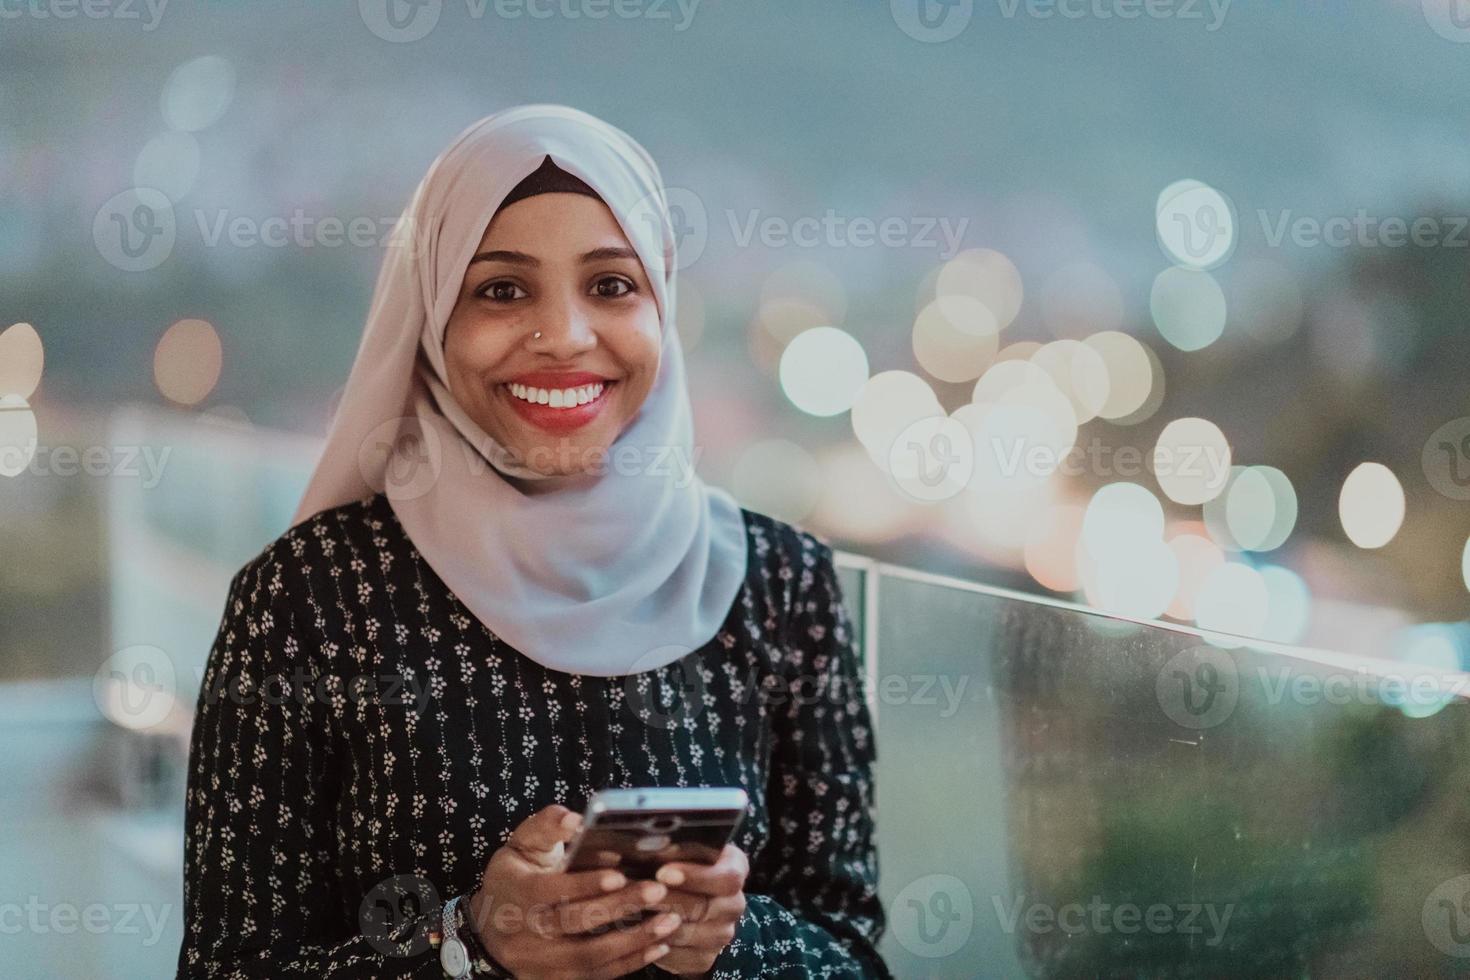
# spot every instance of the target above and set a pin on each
(558, 263)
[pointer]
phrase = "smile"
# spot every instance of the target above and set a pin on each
(558, 409)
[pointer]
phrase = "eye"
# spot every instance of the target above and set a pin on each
(499, 291)
(613, 287)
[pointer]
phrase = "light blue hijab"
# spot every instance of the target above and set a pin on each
(617, 575)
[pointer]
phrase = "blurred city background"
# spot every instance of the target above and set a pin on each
(1159, 308)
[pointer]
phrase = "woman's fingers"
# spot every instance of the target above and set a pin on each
(592, 955)
(591, 914)
(540, 838)
(631, 963)
(703, 935)
(725, 877)
(558, 888)
(704, 908)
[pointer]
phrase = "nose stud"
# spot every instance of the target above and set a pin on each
(536, 335)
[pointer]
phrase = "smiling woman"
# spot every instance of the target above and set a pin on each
(558, 398)
(571, 629)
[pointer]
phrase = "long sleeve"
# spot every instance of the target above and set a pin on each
(812, 903)
(260, 895)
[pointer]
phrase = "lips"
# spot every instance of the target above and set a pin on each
(560, 412)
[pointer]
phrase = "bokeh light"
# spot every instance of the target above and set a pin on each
(1022, 426)
(1198, 557)
(198, 93)
(1155, 399)
(1371, 505)
(169, 163)
(1124, 564)
(1195, 224)
(1129, 371)
(1188, 308)
(1256, 512)
(1079, 372)
(17, 435)
(955, 338)
(1233, 599)
(985, 275)
(187, 362)
(1051, 548)
(1465, 565)
(887, 404)
(22, 357)
(822, 371)
(1288, 605)
(1192, 461)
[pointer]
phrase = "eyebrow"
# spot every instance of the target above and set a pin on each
(521, 258)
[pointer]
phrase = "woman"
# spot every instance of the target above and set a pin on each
(502, 593)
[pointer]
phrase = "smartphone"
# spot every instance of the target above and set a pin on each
(637, 831)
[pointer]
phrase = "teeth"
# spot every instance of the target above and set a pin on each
(557, 397)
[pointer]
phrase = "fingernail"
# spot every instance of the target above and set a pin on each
(670, 876)
(661, 949)
(666, 924)
(612, 882)
(571, 820)
(653, 891)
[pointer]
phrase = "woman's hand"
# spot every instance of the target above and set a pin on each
(538, 922)
(710, 899)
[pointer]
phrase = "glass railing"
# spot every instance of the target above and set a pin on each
(1067, 794)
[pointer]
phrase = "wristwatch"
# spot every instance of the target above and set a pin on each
(454, 955)
(460, 951)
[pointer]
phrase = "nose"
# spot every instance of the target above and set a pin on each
(566, 329)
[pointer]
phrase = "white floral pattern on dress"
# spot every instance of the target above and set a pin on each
(403, 740)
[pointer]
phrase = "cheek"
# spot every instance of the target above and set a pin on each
(645, 343)
(469, 348)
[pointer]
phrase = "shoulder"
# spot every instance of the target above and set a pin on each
(787, 561)
(315, 543)
(771, 535)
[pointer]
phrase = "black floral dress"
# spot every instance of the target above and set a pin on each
(363, 744)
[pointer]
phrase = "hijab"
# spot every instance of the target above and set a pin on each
(626, 570)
